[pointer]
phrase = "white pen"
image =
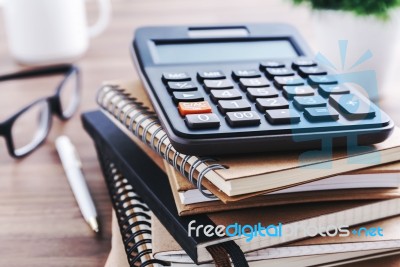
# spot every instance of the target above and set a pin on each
(73, 169)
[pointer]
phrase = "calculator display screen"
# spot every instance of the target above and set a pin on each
(175, 53)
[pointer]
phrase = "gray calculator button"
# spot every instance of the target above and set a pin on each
(253, 82)
(272, 72)
(175, 76)
(321, 114)
(352, 106)
(242, 118)
(181, 86)
(302, 102)
(189, 96)
(246, 73)
(271, 64)
(218, 84)
(261, 92)
(322, 79)
(335, 89)
(225, 94)
(292, 91)
(211, 74)
(288, 81)
(282, 116)
(305, 71)
(233, 105)
(271, 103)
(202, 121)
(303, 62)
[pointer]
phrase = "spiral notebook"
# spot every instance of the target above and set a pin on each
(240, 176)
(146, 177)
(127, 170)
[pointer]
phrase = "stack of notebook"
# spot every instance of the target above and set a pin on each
(287, 190)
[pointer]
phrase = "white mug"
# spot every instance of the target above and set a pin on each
(50, 31)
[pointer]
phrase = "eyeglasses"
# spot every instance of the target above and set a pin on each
(28, 128)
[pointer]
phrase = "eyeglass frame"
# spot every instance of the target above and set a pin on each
(53, 102)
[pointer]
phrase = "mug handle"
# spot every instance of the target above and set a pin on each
(103, 19)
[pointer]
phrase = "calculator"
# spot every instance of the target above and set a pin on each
(249, 88)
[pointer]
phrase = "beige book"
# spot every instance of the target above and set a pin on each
(240, 174)
(332, 251)
(384, 179)
(165, 247)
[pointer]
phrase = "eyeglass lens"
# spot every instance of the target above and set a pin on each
(31, 128)
(69, 95)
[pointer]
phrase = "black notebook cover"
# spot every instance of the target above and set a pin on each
(151, 183)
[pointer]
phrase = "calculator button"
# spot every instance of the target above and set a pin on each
(190, 96)
(194, 107)
(233, 105)
(272, 72)
(288, 81)
(325, 79)
(218, 84)
(253, 82)
(271, 103)
(336, 89)
(291, 91)
(175, 76)
(252, 73)
(352, 107)
(202, 121)
(302, 102)
(214, 74)
(271, 64)
(242, 118)
(321, 114)
(305, 71)
(181, 86)
(261, 92)
(282, 116)
(303, 62)
(225, 94)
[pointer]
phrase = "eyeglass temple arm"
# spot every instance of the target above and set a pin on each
(37, 72)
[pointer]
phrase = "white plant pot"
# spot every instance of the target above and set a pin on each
(362, 33)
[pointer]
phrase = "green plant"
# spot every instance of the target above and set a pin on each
(378, 8)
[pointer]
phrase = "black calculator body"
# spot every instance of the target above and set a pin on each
(240, 89)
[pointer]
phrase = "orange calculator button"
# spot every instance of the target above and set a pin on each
(194, 107)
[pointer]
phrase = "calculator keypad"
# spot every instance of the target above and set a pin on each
(273, 94)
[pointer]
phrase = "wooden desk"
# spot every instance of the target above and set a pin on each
(40, 223)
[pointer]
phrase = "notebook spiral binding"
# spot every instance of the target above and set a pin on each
(133, 217)
(123, 107)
